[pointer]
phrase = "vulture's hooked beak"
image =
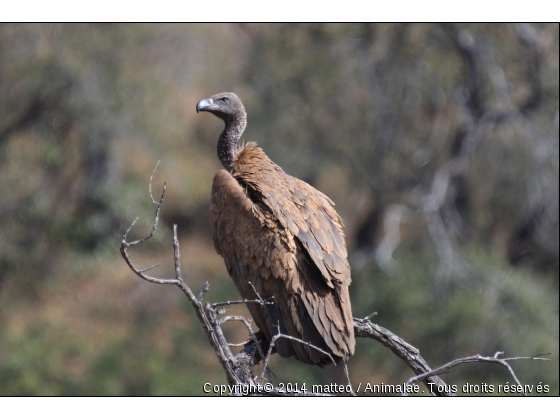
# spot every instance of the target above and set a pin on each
(203, 104)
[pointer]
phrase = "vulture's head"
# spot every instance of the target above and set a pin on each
(223, 105)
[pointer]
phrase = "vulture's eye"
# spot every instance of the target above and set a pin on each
(224, 100)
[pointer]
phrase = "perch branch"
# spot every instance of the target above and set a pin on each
(477, 358)
(239, 368)
(399, 347)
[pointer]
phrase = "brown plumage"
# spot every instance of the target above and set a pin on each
(280, 237)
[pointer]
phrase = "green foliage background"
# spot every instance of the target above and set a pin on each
(368, 114)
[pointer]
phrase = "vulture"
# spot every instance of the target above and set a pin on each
(282, 242)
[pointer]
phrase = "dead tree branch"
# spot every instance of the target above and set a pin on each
(477, 358)
(206, 314)
(403, 350)
(239, 368)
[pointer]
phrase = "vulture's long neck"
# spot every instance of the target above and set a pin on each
(227, 145)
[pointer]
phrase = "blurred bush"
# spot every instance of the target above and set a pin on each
(439, 144)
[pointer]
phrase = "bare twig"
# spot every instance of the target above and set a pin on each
(150, 184)
(237, 302)
(203, 291)
(367, 318)
(149, 268)
(125, 244)
(348, 378)
(472, 359)
(263, 301)
(240, 344)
